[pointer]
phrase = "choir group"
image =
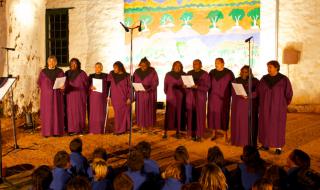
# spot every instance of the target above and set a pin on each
(206, 103)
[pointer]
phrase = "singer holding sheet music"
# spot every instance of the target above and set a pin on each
(76, 91)
(51, 101)
(196, 99)
(97, 100)
(120, 91)
(219, 98)
(175, 100)
(146, 101)
(239, 110)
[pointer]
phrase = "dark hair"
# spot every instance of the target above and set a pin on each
(79, 183)
(198, 60)
(123, 182)
(275, 64)
(77, 62)
(181, 154)
(263, 184)
(175, 63)
(100, 153)
(41, 178)
(215, 155)
(278, 177)
(300, 158)
(246, 67)
(135, 160)
(61, 159)
(145, 149)
(99, 63)
(220, 59)
(252, 160)
(192, 186)
(120, 66)
(146, 61)
(76, 145)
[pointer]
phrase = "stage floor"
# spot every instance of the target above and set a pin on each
(303, 132)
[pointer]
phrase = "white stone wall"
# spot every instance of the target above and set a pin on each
(95, 35)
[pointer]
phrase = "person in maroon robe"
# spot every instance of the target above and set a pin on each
(175, 100)
(275, 94)
(240, 110)
(196, 99)
(120, 97)
(219, 98)
(76, 91)
(51, 101)
(146, 101)
(97, 101)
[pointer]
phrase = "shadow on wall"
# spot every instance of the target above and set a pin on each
(3, 40)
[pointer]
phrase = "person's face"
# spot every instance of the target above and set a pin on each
(73, 66)
(52, 63)
(272, 70)
(98, 68)
(219, 65)
(177, 68)
(244, 73)
(196, 65)
(116, 69)
(143, 66)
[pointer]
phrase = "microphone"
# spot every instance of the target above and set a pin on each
(125, 27)
(10, 49)
(248, 39)
(139, 28)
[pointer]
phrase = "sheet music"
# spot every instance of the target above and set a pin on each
(187, 80)
(138, 87)
(59, 82)
(97, 83)
(4, 89)
(238, 88)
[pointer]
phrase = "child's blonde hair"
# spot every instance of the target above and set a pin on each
(100, 169)
(172, 171)
(212, 178)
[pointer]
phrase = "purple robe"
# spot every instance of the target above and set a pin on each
(175, 103)
(219, 101)
(76, 99)
(97, 105)
(120, 93)
(273, 103)
(51, 105)
(146, 102)
(239, 114)
(196, 99)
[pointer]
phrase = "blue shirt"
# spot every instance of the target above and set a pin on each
(60, 178)
(137, 177)
(247, 178)
(151, 166)
(79, 164)
(172, 184)
(101, 185)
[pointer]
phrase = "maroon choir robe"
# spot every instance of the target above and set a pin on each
(146, 102)
(51, 103)
(97, 105)
(239, 114)
(76, 99)
(196, 99)
(175, 101)
(120, 92)
(219, 99)
(275, 94)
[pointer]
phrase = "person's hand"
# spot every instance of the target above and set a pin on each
(244, 97)
(194, 86)
(93, 88)
(108, 100)
(128, 102)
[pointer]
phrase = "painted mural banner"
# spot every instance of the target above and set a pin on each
(193, 29)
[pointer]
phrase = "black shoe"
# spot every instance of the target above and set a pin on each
(178, 136)
(278, 151)
(198, 139)
(214, 138)
(165, 136)
(264, 148)
(194, 138)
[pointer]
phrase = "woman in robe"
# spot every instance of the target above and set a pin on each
(196, 99)
(175, 100)
(51, 100)
(275, 94)
(76, 97)
(239, 111)
(146, 101)
(97, 101)
(219, 98)
(120, 97)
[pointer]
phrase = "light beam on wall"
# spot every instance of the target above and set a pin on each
(24, 12)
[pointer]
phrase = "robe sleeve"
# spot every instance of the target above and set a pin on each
(154, 82)
(204, 85)
(165, 84)
(40, 79)
(288, 92)
(129, 89)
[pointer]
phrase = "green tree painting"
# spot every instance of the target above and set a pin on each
(146, 20)
(128, 21)
(186, 17)
(254, 14)
(214, 16)
(166, 19)
(237, 15)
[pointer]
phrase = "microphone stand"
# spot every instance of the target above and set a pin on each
(131, 29)
(250, 127)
